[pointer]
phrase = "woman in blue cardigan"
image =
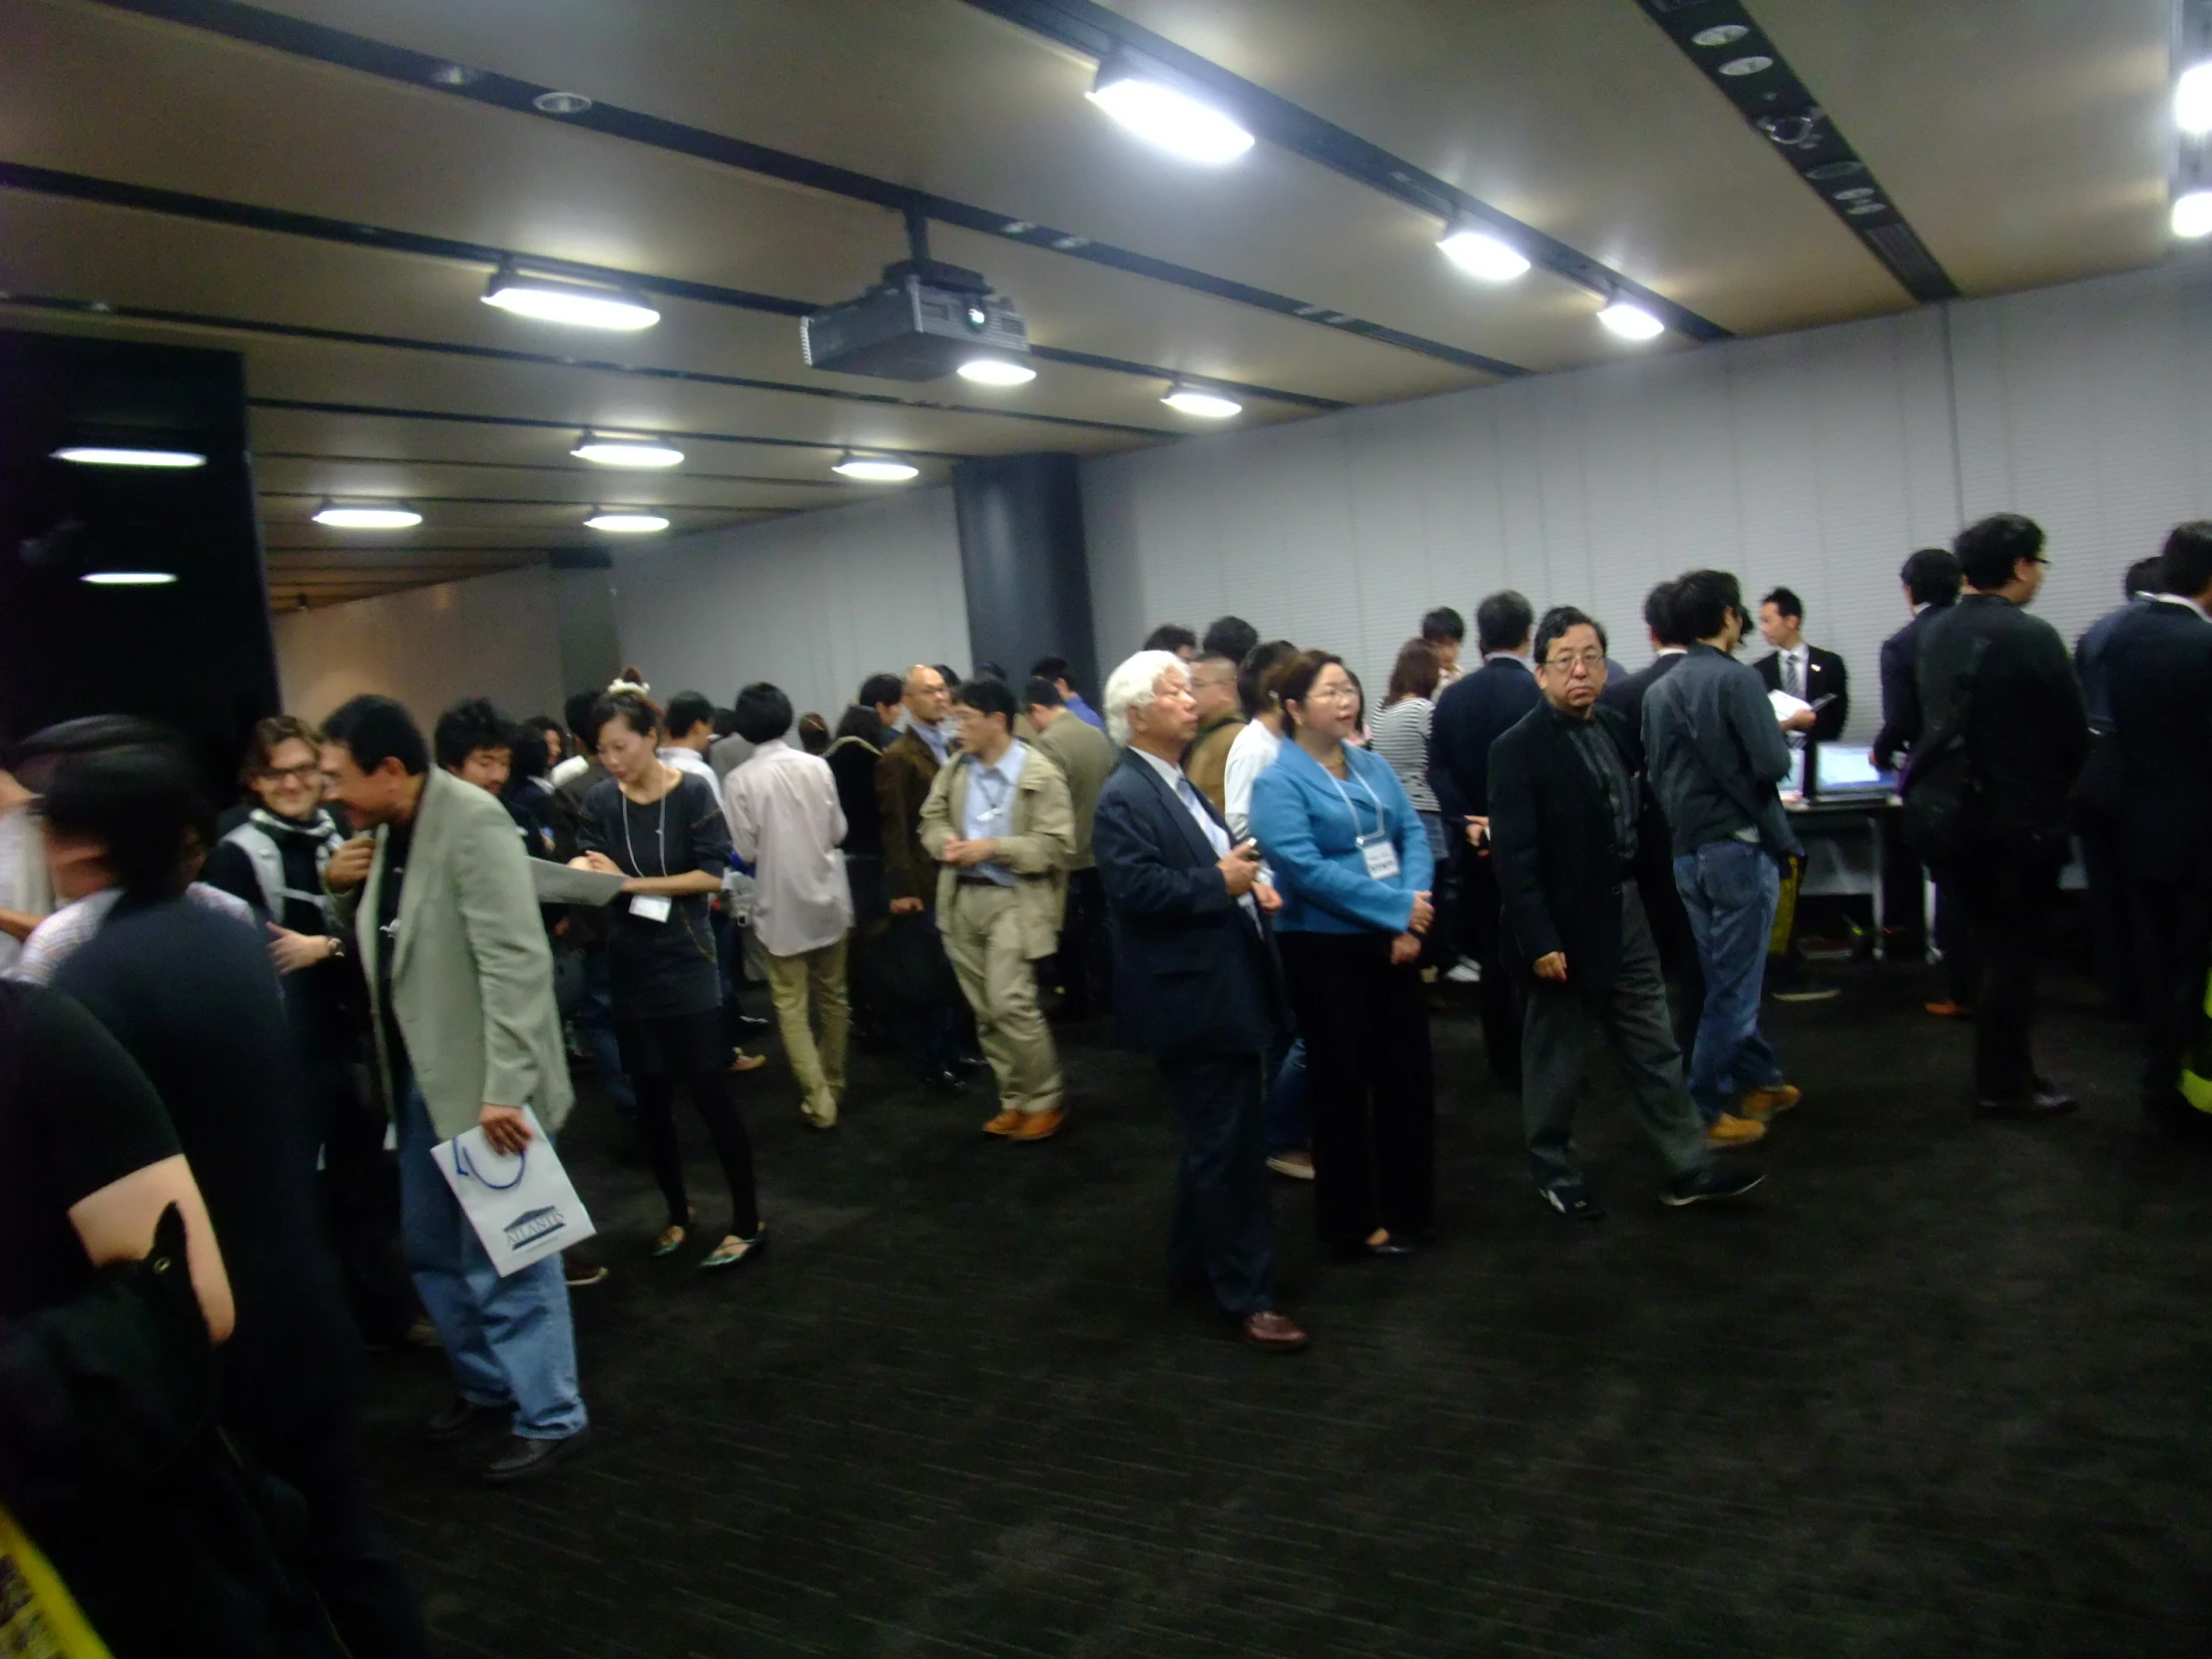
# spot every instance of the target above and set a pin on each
(1353, 867)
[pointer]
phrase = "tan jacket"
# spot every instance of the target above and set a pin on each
(1084, 756)
(1037, 849)
(1207, 763)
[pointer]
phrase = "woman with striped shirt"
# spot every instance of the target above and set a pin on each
(1400, 734)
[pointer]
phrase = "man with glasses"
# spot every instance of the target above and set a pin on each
(1563, 823)
(1220, 717)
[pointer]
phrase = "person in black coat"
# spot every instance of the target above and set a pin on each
(1473, 714)
(1804, 671)
(2097, 805)
(2161, 687)
(1564, 808)
(1195, 989)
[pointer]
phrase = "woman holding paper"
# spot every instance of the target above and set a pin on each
(664, 830)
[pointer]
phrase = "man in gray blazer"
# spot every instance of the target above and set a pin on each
(438, 897)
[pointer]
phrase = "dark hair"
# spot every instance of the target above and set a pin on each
(1559, 620)
(987, 696)
(1931, 576)
(1049, 668)
(141, 804)
(1661, 617)
(1443, 623)
(1171, 636)
(268, 734)
(1786, 602)
(468, 725)
(633, 708)
(1990, 550)
(529, 756)
(576, 712)
(687, 709)
(1256, 674)
(947, 674)
(1294, 681)
(1229, 636)
(989, 671)
(1415, 673)
(2185, 567)
(2144, 576)
(880, 687)
(1704, 600)
(814, 732)
(374, 730)
(763, 711)
(1041, 693)
(861, 721)
(1502, 622)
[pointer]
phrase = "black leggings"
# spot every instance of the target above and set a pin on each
(710, 1092)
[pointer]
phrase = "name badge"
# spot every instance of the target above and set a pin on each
(1381, 858)
(653, 906)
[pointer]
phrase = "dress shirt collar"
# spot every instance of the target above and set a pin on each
(2183, 599)
(1520, 656)
(1167, 770)
(1008, 766)
(1670, 651)
(935, 738)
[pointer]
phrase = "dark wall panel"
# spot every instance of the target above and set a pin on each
(1023, 563)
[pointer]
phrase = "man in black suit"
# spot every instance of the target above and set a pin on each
(1563, 799)
(1804, 671)
(1471, 715)
(1195, 989)
(2160, 691)
(2099, 815)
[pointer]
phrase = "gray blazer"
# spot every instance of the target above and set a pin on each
(472, 975)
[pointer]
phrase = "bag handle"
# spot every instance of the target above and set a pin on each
(462, 1166)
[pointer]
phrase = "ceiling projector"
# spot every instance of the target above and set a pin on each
(920, 323)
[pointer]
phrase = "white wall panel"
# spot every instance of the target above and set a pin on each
(815, 602)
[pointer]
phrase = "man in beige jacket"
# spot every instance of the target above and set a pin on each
(999, 824)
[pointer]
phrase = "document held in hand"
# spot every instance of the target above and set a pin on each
(524, 1208)
(564, 884)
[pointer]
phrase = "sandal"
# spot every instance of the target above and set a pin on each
(672, 1237)
(747, 1062)
(732, 1249)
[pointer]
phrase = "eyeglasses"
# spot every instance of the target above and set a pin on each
(1566, 662)
(296, 775)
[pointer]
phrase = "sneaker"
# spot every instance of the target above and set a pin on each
(1574, 1196)
(1464, 972)
(1292, 1162)
(1760, 1105)
(1707, 1185)
(1730, 1131)
(581, 1270)
(1806, 991)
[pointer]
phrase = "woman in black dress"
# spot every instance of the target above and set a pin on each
(664, 830)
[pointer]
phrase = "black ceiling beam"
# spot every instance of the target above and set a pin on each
(1096, 32)
(1729, 48)
(603, 499)
(579, 469)
(112, 193)
(345, 50)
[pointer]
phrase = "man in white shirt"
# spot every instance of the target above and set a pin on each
(785, 821)
(24, 897)
(691, 733)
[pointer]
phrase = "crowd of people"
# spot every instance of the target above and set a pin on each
(208, 1024)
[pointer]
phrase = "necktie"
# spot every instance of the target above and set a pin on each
(1796, 686)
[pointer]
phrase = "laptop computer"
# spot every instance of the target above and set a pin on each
(1846, 771)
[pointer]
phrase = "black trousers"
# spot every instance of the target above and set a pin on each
(346, 1559)
(1372, 1081)
(360, 1203)
(1481, 926)
(2172, 930)
(2113, 910)
(2008, 885)
(1080, 968)
(1684, 974)
(1222, 1231)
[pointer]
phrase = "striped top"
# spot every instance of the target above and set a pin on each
(1400, 734)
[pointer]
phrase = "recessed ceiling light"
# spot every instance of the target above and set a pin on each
(876, 469)
(1207, 405)
(626, 523)
(1480, 254)
(129, 578)
(996, 371)
(1747, 66)
(1720, 34)
(455, 74)
(1631, 321)
(560, 103)
(367, 515)
(560, 299)
(2193, 99)
(1835, 170)
(96, 454)
(625, 452)
(2192, 213)
(1177, 121)
(1875, 205)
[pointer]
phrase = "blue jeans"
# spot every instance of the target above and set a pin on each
(1731, 890)
(595, 1022)
(509, 1340)
(1288, 1110)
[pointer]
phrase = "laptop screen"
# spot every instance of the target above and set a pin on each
(1848, 768)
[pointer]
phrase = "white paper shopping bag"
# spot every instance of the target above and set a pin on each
(523, 1207)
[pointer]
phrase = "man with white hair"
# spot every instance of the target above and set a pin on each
(1196, 989)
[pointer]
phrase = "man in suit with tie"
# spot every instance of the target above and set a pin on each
(1471, 715)
(1804, 671)
(2160, 690)
(1195, 989)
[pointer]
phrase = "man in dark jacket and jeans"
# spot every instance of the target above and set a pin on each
(2028, 735)
(1714, 752)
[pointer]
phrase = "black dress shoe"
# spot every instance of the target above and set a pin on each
(1271, 1332)
(967, 1065)
(461, 1417)
(947, 1082)
(526, 1458)
(753, 1022)
(2037, 1105)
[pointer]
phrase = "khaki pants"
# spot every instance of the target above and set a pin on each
(982, 936)
(805, 987)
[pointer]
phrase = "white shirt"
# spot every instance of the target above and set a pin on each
(22, 875)
(785, 821)
(1251, 753)
(1185, 792)
(1510, 656)
(574, 767)
(2183, 599)
(1794, 667)
(65, 932)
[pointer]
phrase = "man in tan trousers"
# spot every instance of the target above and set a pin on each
(999, 824)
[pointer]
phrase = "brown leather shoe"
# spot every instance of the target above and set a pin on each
(1272, 1333)
(1004, 1124)
(1761, 1104)
(1732, 1131)
(1948, 1009)
(1038, 1126)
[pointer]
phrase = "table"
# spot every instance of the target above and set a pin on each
(1846, 854)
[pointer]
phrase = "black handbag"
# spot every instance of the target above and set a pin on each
(1937, 788)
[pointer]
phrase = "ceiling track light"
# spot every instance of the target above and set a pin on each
(1163, 109)
(625, 521)
(1631, 320)
(875, 469)
(367, 515)
(129, 578)
(565, 300)
(120, 455)
(630, 452)
(1483, 253)
(996, 371)
(1186, 399)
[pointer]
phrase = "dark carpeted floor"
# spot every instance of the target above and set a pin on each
(1943, 1389)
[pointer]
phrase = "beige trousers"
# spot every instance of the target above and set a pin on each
(982, 936)
(805, 987)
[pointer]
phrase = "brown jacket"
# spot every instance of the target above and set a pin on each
(1206, 763)
(902, 780)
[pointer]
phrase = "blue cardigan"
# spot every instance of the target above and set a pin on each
(1299, 822)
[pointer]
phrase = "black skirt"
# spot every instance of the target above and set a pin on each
(673, 1045)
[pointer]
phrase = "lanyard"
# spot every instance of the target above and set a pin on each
(991, 804)
(659, 833)
(1351, 811)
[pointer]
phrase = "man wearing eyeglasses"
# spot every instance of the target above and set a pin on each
(1563, 826)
